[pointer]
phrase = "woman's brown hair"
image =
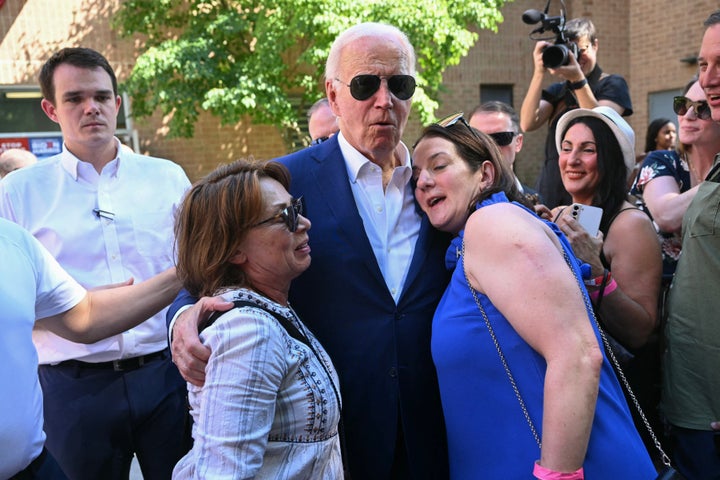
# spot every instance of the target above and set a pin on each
(216, 214)
(475, 147)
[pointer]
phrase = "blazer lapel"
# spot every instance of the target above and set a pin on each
(331, 178)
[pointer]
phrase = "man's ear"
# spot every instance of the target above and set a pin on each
(331, 94)
(49, 109)
(519, 142)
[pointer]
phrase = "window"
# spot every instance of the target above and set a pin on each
(497, 92)
(660, 105)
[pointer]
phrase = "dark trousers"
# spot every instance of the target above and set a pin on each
(97, 418)
(696, 453)
(44, 467)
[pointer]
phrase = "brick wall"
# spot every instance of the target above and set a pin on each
(661, 35)
(642, 40)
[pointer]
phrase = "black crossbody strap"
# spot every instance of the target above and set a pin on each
(287, 324)
(297, 335)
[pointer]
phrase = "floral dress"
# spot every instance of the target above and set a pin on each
(661, 163)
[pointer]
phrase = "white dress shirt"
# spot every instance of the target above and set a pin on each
(389, 215)
(103, 228)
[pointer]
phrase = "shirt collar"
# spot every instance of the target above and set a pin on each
(595, 75)
(79, 169)
(355, 161)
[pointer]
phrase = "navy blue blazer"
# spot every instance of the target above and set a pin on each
(381, 350)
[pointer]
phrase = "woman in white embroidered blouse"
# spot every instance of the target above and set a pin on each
(270, 405)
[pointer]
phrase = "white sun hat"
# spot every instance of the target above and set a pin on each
(620, 128)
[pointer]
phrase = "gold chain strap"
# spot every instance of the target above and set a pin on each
(501, 355)
(608, 350)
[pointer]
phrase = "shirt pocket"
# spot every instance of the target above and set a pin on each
(154, 234)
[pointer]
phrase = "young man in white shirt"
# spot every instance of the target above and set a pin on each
(106, 215)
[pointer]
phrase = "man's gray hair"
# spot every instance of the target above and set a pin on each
(713, 19)
(362, 30)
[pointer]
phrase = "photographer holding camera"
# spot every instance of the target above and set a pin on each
(583, 85)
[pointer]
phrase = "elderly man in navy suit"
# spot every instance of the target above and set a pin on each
(377, 270)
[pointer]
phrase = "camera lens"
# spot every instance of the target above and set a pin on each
(555, 56)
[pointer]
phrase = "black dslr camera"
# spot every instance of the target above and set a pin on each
(557, 55)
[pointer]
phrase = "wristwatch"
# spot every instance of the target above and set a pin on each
(577, 85)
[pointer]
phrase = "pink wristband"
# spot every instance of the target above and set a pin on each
(543, 473)
(609, 288)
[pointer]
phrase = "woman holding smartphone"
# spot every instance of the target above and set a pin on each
(596, 154)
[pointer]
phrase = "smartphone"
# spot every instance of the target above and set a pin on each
(588, 217)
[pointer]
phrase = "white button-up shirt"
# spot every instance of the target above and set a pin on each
(389, 215)
(103, 228)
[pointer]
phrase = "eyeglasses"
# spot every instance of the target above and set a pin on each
(289, 215)
(363, 87)
(681, 105)
(451, 120)
(502, 139)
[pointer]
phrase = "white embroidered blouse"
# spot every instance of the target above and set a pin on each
(268, 409)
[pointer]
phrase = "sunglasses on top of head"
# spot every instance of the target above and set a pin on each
(451, 120)
(364, 86)
(501, 138)
(289, 215)
(681, 105)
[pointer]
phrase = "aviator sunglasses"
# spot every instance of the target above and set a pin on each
(363, 87)
(289, 215)
(681, 105)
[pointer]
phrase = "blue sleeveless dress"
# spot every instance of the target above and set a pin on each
(488, 436)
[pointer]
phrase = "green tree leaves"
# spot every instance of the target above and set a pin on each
(237, 58)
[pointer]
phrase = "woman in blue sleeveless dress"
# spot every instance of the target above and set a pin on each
(524, 275)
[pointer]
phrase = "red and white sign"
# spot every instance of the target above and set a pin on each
(8, 143)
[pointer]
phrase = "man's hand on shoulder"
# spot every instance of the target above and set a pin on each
(188, 353)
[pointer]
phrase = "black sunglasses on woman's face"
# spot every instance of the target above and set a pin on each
(289, 215)
(681, 105)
